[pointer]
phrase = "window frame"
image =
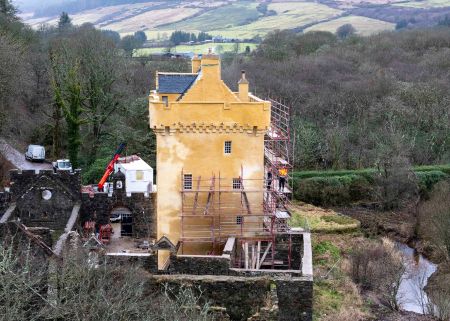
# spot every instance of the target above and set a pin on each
(165, 100)
(236, 184)
(185, 181)
(239, 220)
(227, 147)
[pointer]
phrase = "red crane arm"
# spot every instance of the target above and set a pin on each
(110, 167)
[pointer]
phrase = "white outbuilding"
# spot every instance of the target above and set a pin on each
(138, 174)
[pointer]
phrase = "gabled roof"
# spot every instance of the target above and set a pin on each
(164, 244)
(169, 83)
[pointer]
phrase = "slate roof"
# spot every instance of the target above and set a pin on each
(175, 83)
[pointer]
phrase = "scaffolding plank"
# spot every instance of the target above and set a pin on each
(196, 195)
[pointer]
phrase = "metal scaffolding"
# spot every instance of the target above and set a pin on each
(252, 210)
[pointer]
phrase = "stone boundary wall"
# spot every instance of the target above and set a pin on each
(224, 265)
(27, 188)
(4, 202)
(244, 296)
(200, 264)
(147, 261)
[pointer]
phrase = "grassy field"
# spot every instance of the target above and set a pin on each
(220, 18)
(239, 19)
(289, 15)
(363, 25)
(322, 220)
(151, 19)
(216, 47)
(425, 4)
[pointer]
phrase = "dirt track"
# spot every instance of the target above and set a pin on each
(17, 159)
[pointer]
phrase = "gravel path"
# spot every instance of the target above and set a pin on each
(17, 159)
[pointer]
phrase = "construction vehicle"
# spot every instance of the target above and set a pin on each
(105, 233)
(110, 168)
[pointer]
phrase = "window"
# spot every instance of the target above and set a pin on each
(236, 183)
(165, 100)
(139, 175)
(187, 181)
(227, 147)
(239, 220)
(46, 194)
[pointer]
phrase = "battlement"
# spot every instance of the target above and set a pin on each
(105, 195)
(220, 116)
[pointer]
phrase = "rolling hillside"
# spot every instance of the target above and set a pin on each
(242, 19)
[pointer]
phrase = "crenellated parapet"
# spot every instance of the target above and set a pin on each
(204, 117)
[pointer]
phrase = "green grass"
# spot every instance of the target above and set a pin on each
(365, 172)
(335, 188)
(321, 220)
(198, 49)
(363, 25)
(326, 248)
(424, 4)
(327, 299)
(289, 16)
(223, 17)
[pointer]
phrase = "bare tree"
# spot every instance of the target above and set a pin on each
(379, 267)
(435, 218)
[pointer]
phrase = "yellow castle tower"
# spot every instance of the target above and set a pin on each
(210, 157)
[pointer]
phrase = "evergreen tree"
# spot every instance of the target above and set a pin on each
(67, 95)
(345, 31)
(8, 10)
(64, 21)
(140, 36)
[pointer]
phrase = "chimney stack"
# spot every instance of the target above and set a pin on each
(243, 87)
(196, 63)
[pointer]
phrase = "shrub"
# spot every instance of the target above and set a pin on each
(427, 180)
(343, 187)
(379, 267)
(333, 190)
(339, 219)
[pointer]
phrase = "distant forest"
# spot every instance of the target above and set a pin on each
(360, 101)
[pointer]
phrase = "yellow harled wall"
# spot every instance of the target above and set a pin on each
(190, 137)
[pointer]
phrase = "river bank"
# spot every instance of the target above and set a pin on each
(399, 225)
(430, 269)
(336, 236)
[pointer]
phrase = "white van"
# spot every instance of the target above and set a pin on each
(62, 165)
(35, 153)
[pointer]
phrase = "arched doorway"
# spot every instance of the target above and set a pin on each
(122, 219)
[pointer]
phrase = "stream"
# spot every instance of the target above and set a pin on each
(411, 295)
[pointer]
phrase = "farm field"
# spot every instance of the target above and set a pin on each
(289, 15)
(98, 16)
(424, 4)
(150, 19)
(363, 25)
(198, 49)
(220, 18)
(244, 19)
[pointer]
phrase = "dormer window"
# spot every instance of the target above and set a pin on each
(165, 100)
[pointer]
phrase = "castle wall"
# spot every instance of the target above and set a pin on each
(99, 207)
(4, 202)
(244, 296)
(52, 210)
